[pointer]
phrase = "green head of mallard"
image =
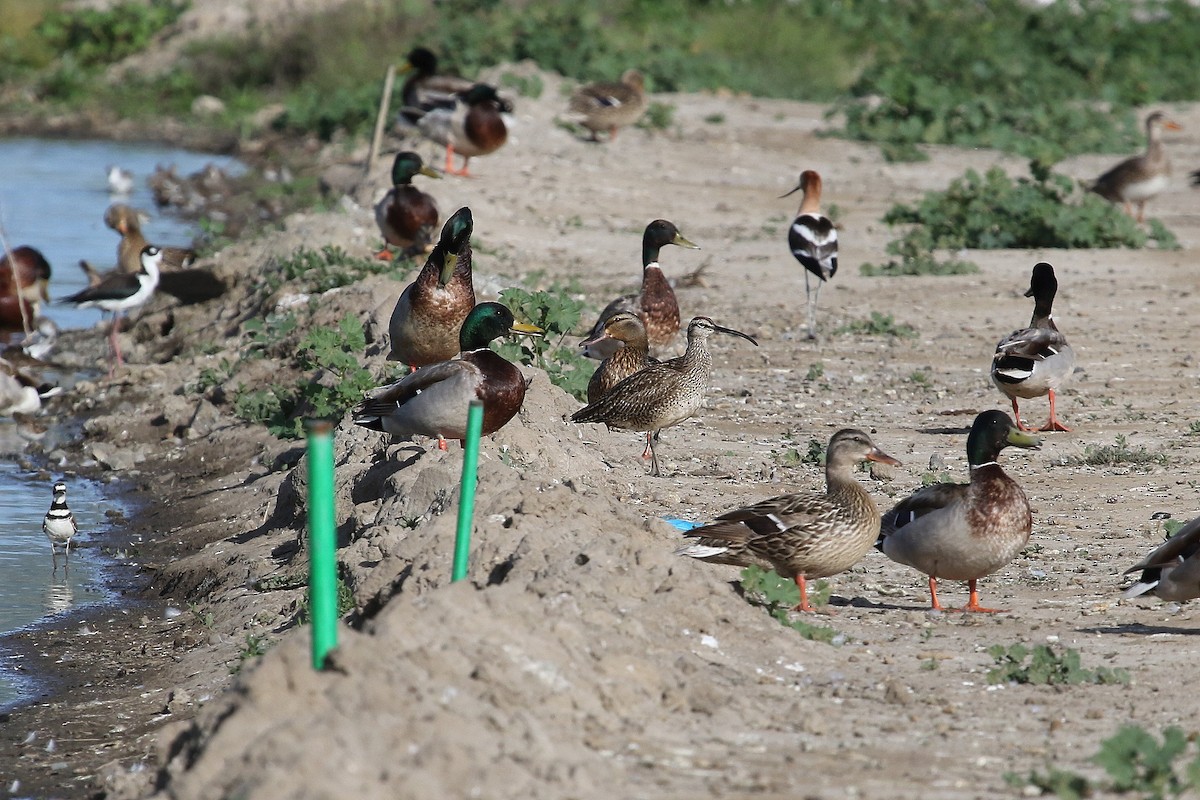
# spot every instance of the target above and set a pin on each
(455, 238)
(421, 60)
(993, 431)
(658, 235)
(408, 164)
(1043, 286)
(489, 321)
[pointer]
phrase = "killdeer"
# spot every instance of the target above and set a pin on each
(59, 523)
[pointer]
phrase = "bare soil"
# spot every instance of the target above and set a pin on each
(582, 658)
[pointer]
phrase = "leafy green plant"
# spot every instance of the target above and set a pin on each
(1120, 452)
(556, 313)
(930, 478)
(778, 595)
(658, 116)
(1041, 665)
(815, 370)
(254, 647)
(96, 37)
(328, 268)
(345, 598)
(1135, 762)
(878, 325)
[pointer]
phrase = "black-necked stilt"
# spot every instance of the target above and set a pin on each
(118, 291)
(59, 523)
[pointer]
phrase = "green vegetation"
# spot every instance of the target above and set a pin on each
(878, 325)
(328, 268)
(1118, 453)
(1135, 762)
(780, 595)
(993, 211)
(557, 313)
(254, 647)
(1041, 665)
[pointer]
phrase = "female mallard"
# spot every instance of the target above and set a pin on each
(426, 320)
(661, 395)
(470, 122)
(1172, 571)
(433, 400)
(632, 356)
(813, 240)
(656, 304)
(1037, 360)
(965, 531)
(1138, 179)
(804, 535)
(608, 106)
(407, 217)
(24, 283)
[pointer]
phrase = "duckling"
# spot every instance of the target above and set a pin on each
(406, 215)
(965, 531)
(1172, 571)
(813, 240)
(1138, 179)
(1037, 360)
(433, 400)
(661, 395)
(426, 320)
(609, 106)
(655, 304)
(803, 535)
(471, 123)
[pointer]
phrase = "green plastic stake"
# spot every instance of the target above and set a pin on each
(466, 502)
(322, 542)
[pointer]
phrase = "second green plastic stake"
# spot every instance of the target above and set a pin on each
(466, 502)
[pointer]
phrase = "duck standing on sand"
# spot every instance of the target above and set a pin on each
(965, 531)
(1138, 179)
(661, 395)
(425, 323)
(470, 123)
(633, 354)
(655, 304)
(813, 240)
(119, 292)
(1037, 360)
(803, 535)
(406, 216)
(433, 401)
(608, 106)
(24, 283)
(1172, 571)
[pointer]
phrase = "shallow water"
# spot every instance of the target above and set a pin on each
(53, 195)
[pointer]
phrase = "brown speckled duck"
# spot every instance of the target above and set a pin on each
(656, 303)
(1172, 571)
(632, 356)
(607, 106)
(804, 535)
(406, 216)
(661, 395)
(1037, 360)
(425, 323)
(1138, 179)
(965, 531)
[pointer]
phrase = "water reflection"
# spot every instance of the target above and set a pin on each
(59, 596)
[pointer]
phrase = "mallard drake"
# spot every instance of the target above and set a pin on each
(1138, 179)
(655, 304)
(119, 292)
(179, 277)
(1172, 571)
(661, 395)
(813, 240)
(803, 535)
(426, 320)
(433, 400)
(965, 531)
(407, 217)
(470, 123)
(425, 86)
(24, 283)
(1037, 360)
(633, 355)
(609, 106)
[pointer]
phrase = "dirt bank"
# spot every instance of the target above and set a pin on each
(582, 658)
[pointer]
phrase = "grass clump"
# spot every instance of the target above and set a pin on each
(1041, 665)
(318, 271)
(1135, 762)
(779, 595)
(878, 325)
(1118, 453)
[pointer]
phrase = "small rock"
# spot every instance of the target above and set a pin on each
(208, 106)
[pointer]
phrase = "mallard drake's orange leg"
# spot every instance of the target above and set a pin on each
(1017, 416)
(450, 170)
(442, 444)
(385, 254)
(973, 602)
(1053, 424)
(934, 604)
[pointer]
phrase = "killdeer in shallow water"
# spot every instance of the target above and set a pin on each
(59, 523)
(118, 291)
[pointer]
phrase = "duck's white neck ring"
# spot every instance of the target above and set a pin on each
(985, 464)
